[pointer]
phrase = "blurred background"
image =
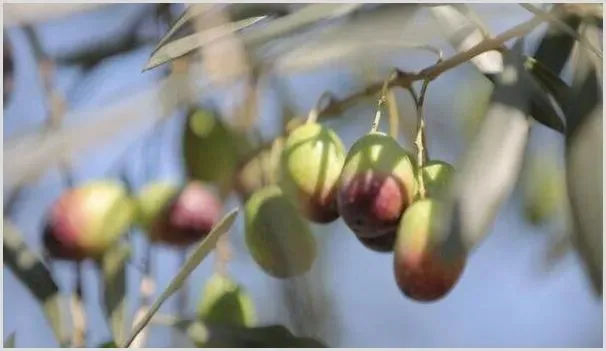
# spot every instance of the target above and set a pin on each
(83, 67)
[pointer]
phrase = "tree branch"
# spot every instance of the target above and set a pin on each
(404, 79)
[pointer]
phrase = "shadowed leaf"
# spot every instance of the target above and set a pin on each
(542, 109)
(108, 345)
(223, 336)
(113, 266)
(199, 254)
(549, 80)
(9, 342)
(555, 47)
(32, 273)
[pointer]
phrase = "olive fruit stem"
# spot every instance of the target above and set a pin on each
(420, 140)
(382, 99)
(315, 111)
(394, 115)
(77, 310)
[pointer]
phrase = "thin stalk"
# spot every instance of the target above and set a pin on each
(315, 111)
(394, 115)
(78, 310)
(421, 139)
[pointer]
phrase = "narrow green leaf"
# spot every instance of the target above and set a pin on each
(9, 342)
(32, 273)
(307, 16)
(549, 80)
(199, 254)
(190, 12)
(182, 46)
(232, 336)
(113, 267)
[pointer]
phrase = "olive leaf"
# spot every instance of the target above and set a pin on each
(183, 46)
(190, 12)
(492, 163)
(113, 267)
(548, 79)
(556, 22)
(215, 336)
(305, 17)
(32, 273)
(584, 159)
(199, 254)
(237, 12)
(9, 342)
(462, 33)
(584, 162)
(108, 345)
(542, 109)
(555, 47)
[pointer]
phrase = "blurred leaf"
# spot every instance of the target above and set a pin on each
(551, 56)
(586, 91)
(113, 265)
(226, 302)
(199, 254)
(238, 11)
(462, 34)
(585, 181)
(584, 159)
(108, 345)
(549, 80)
(555, 47)
(190, 12)
(308, 15)
(9, 342)
(556, 22)
(30, 270)
(492, 163)
(182, 46)
(227, 336)
(33, 13)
